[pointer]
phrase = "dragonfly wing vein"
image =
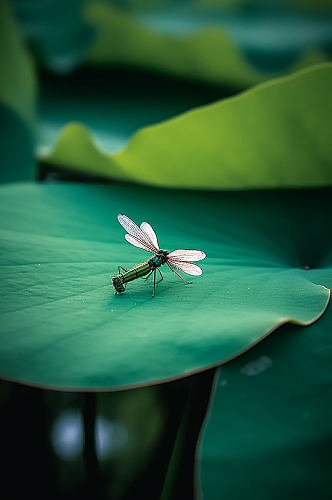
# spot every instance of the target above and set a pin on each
(183, 255)
(186, 267)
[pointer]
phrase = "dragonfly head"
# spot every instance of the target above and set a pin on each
(163, 255)
(118, 284)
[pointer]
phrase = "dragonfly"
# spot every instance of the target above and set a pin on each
(144, 237)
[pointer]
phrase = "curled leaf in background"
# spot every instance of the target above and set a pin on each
(268, 136)
(100, 140)
(238, 43)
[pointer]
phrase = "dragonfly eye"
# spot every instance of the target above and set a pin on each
(163, 254)
(118, 284)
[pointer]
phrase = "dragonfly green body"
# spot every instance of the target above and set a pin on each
(139, 271)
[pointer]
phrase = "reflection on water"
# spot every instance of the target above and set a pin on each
(110, 437)
(43, 435)
(68, 436)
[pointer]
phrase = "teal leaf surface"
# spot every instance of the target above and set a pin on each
(61, 325)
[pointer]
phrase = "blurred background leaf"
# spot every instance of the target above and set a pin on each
(226, 45)
(18, 90)
(109, 106)
(18, 84)
(204, 53)
(16, 147)
(55, 31)
(239, 42)
(266, 137)
(220, 43)
(64, 328)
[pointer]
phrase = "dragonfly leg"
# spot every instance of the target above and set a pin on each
(117, 293)
(148, 276)
(171, 268)
(154, 283)
(161, 276)
(123, 269)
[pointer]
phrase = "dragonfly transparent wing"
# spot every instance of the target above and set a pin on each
(186, 267)
(137, 243)
(147, 229)
(136, 236)
(187, 255)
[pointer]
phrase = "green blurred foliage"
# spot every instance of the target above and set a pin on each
(18, 85)
(194, 41)
(237, 46)
(55, 31)
(234, 42)
(16, 147)
(117, 103)
(207, 55)
(18, 90)
(263, 138)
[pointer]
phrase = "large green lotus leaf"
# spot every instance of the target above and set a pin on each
(17, 82)
(268, 432)
(63, 327)
(273, 135)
